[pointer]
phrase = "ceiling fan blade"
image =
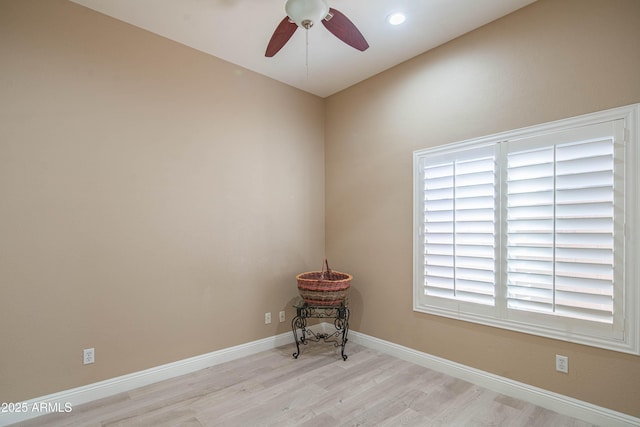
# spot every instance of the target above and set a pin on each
(280, 37)
(341, 27)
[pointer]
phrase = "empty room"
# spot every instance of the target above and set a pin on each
(169, 169)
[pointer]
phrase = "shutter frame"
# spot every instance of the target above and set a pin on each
(624, 334)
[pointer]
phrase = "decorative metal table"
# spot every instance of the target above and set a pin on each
(304, 311)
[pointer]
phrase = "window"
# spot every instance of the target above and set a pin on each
(532, 230)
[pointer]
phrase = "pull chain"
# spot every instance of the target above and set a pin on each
(307, 53)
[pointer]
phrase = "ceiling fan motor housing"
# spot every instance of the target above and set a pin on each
(305, 13)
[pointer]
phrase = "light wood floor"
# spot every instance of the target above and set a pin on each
(317, 389)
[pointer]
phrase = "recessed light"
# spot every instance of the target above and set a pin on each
(396, 18)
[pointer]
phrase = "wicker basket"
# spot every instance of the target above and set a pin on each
(326, 287)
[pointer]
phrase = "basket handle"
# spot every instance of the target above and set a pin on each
(328, 269)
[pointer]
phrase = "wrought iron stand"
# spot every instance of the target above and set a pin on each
(340, 314)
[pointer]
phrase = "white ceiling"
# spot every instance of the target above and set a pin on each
(238, 31)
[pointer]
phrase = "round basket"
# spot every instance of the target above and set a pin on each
(324, 288)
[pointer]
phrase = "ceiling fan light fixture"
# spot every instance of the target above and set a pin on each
(396, 18)
(306, 13)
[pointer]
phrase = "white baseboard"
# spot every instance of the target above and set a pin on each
(546, 399)
(553, 401)
(61, 401)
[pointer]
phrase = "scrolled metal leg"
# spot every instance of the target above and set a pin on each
(344, 340)
(298, 323)
(342, 323)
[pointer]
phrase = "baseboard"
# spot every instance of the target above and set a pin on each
(553, 401)
(62, 401)
(546, 399)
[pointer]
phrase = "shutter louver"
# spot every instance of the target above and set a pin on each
(459, 230)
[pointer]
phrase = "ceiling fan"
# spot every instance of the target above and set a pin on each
(304, 14)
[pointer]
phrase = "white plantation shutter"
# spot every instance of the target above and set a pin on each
(459, 227)
(561, 225)
(535, 230)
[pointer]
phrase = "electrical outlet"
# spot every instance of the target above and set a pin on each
(562, 364)
(88, 356)
(282, 316)
(267, 318)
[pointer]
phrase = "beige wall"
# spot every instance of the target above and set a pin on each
(155, 201)
(551, 60)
